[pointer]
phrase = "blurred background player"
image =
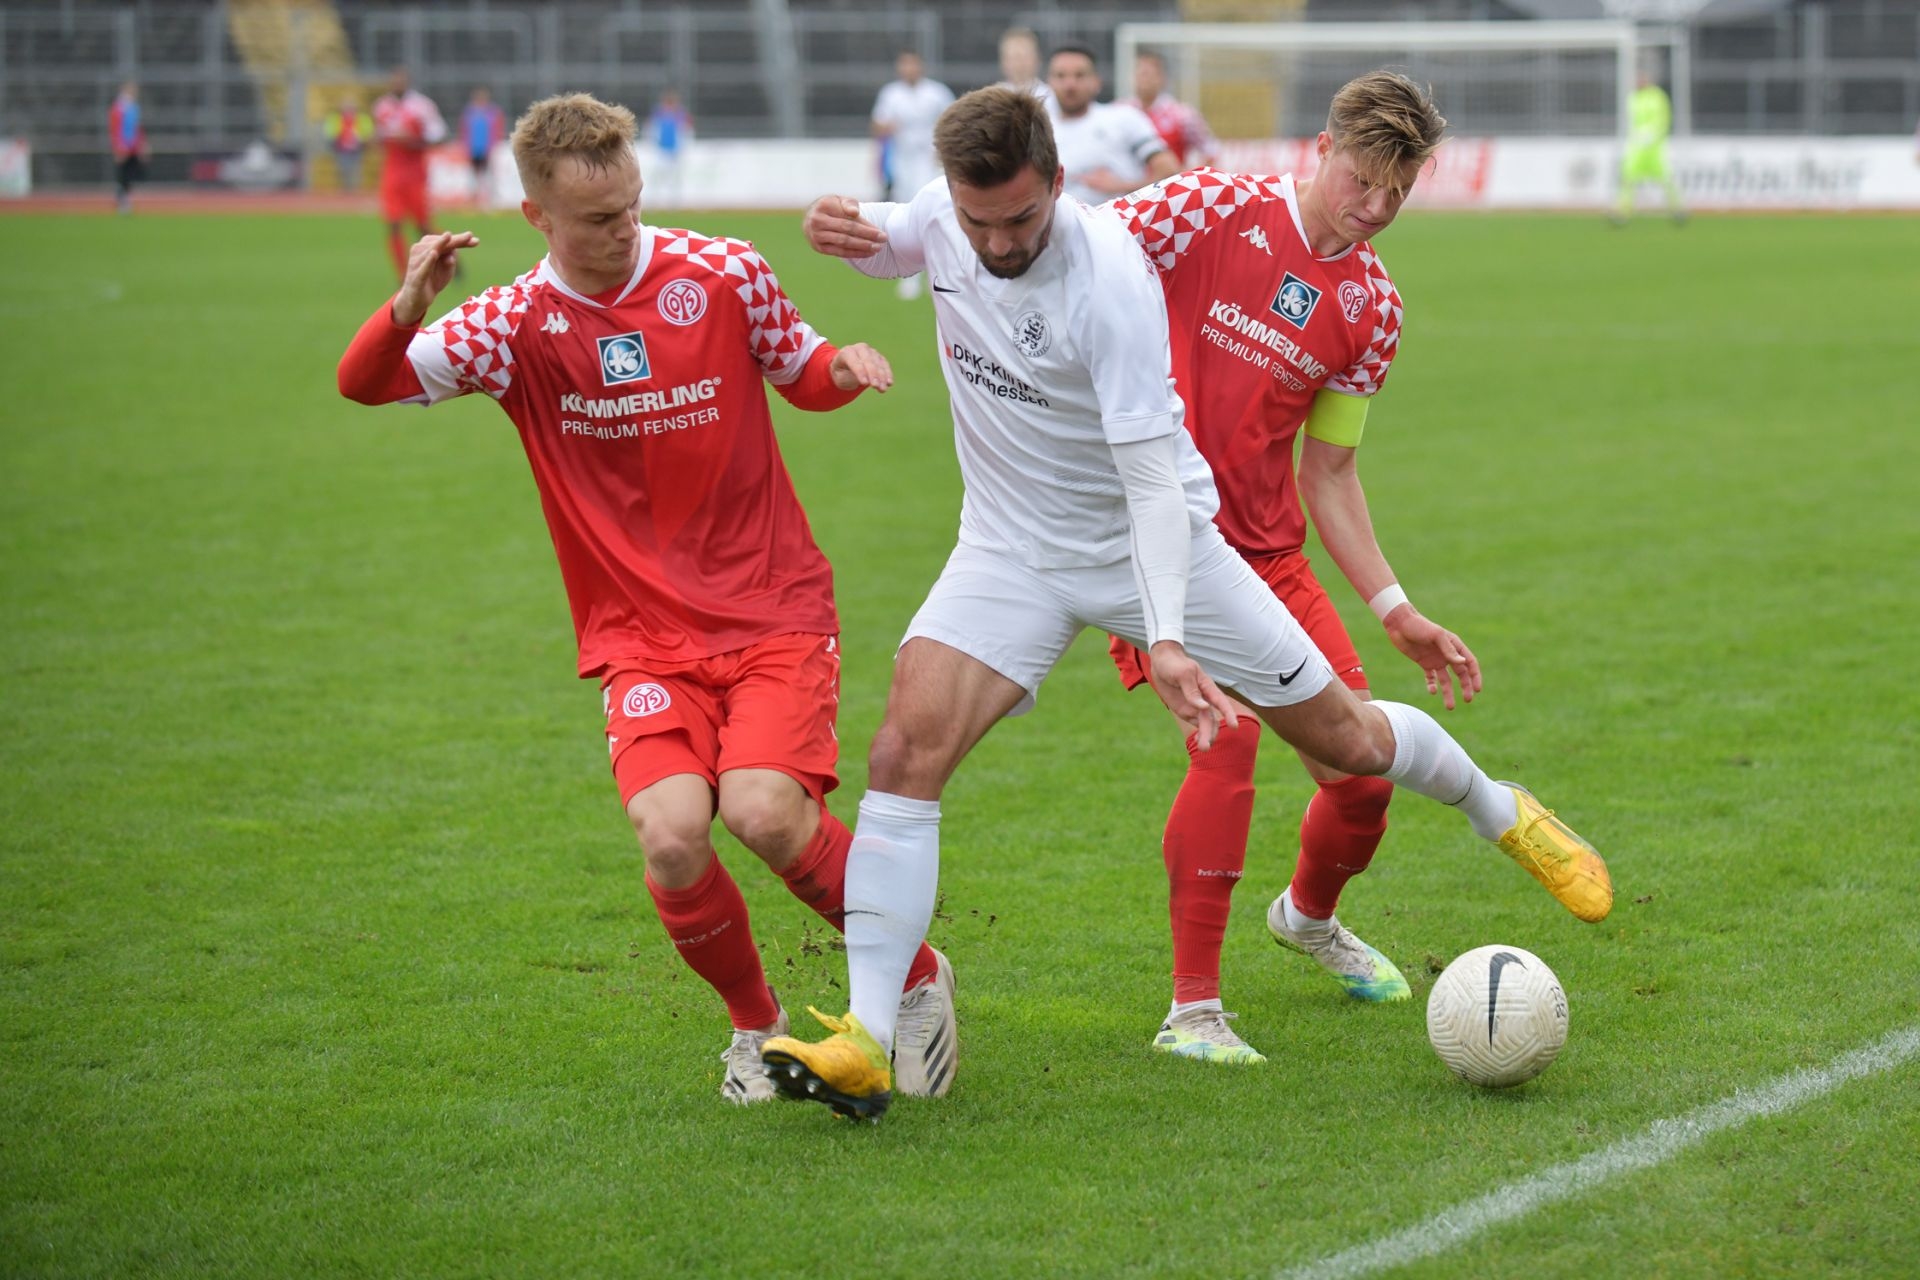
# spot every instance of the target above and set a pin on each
(1020, 64)
(1649, 124)
(347, 129)
(127, 138)
(701, 602)
(903, 118)
(1298, 257)
(1106, 148)
(670, 130)
(1180, 126)
(482, 126)
(407, 122)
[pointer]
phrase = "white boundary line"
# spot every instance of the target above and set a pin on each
(1661, 1141)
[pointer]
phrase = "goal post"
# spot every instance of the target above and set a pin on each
(1272, 80)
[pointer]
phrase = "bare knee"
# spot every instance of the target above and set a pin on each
(1338, 730)
(771, 814)
(1366, 746)
(901, 762)
(675, 836)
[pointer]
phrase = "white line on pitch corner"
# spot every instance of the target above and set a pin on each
(1661, 1141)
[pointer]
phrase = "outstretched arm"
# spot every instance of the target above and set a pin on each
(1330, 486)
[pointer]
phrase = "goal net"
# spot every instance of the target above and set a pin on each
(1490, 79)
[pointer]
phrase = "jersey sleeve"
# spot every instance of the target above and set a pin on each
(470, 347)
(433, 127)
(905, 252)
(1121, 326)
(884, 110)
(1174, 214)
(1369, 369)
(782, 342)
(1138, 135)
(1196, 133)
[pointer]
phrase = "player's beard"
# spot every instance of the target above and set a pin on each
(1012, 268)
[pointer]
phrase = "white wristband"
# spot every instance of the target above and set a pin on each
(1386, 600)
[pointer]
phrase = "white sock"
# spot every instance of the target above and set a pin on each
(1300, 923)
(1178, 1008)
(1426, 759)
(893, 870)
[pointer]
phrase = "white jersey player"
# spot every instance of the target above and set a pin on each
(1086, 505)
(1106, 148)
(903, 117)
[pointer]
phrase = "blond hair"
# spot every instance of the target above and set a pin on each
(990, 135)
(597, 134)
(1384, 120)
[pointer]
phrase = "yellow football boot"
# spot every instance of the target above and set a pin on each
(1552, 854)
(847, 1071)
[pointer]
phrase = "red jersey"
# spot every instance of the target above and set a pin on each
(676, 526)
(1181, 127)
(1260, 327)
(406, 126)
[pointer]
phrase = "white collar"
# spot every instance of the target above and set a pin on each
(548, 274)
(1292, 195)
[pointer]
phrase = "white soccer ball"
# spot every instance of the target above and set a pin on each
(1497, 1016)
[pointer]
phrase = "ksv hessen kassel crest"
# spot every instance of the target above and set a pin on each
(1032, 334)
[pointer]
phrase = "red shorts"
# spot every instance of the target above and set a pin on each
(1293, 581)
(770, 705)
(404, 202)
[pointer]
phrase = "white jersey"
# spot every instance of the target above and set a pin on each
(1108, 135)
(910, 112)
(1047, 373)
(1038, 89)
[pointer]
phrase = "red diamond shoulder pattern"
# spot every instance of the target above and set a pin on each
(1170, 216)
(782, 342)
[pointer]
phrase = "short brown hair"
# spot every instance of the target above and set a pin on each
(1383, 120)
(990, 135)
(597, 134)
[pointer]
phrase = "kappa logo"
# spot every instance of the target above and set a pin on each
(645, 700)
(623, 358)
(1295, 301)
(682, 302)
(1353, 300)
(1257, 237)
(556, 323)
(1032, 334)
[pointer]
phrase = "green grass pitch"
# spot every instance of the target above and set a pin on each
(323, 944)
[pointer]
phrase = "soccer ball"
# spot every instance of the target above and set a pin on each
(1497, 1016)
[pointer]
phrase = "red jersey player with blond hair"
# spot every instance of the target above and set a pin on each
(631, 360)
(1284, 325)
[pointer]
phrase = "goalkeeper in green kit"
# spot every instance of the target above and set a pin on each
(1650, 121)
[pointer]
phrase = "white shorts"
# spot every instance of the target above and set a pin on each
(1020, 620)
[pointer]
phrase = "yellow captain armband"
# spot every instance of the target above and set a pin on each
(1338, 419)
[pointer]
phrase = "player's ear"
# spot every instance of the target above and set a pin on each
(1323, 145)
(1059, 181)
(536, 216)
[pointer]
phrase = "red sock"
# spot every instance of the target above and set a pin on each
(1341, 828)
(397, 246)
(708, 924)
(1205, 849)
(818, 877)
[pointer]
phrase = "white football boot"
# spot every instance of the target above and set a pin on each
(746, 1079)
(926, 1044)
